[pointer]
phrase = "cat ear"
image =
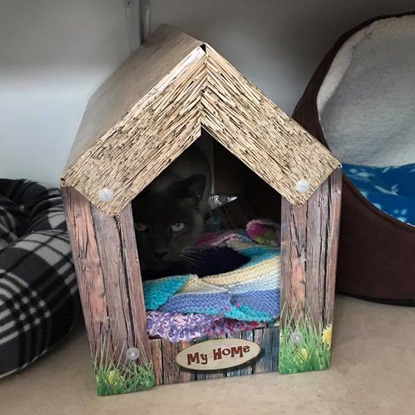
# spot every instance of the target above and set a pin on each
(192, 187)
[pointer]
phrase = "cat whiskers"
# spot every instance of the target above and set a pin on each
(207, 252)
(189, 258)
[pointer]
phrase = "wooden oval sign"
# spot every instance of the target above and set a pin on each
(218, 354)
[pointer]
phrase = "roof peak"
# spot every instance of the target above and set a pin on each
(130, 134)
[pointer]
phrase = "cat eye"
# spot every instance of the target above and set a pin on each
(141, 227)
(177, 227)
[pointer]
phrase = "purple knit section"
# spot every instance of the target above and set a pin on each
(178, 327)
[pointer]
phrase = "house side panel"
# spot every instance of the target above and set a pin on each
(106, 263)
(309, 247)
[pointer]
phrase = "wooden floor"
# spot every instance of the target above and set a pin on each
(373, 372)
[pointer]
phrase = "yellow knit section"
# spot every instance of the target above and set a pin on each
(196, 284)
(249, 273)
(244, 274)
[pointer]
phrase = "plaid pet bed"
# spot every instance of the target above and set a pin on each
(38, 291)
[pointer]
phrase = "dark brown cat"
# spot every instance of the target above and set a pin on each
(169, 214)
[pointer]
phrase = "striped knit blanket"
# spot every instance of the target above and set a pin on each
(250, 293)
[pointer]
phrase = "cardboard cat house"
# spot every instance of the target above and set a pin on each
(141, 119)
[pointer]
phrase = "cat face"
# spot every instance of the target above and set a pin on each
(168, 221)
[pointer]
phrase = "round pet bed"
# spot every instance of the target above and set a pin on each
(360, 103)
(38, 291)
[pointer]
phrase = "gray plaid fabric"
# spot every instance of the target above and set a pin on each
(38, 291)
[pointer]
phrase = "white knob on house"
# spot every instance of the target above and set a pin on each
(106, 195)
(302, 186)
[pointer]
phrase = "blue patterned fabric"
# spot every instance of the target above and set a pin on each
(390, 189)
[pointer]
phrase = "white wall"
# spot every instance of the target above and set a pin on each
(54, 53)
(276, 43)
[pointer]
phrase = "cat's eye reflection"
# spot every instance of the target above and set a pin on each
(141, 227)
(177, 227)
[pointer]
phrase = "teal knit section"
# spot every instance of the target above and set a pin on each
(260, 253)
(246, 313)
(157, 292)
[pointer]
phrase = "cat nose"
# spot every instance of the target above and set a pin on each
(160, 253)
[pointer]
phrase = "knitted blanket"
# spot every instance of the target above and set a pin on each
(250, 293)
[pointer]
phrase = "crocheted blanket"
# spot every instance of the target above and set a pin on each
(177, 327)
(250, 293)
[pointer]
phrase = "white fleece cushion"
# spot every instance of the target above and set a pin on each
(367, 101)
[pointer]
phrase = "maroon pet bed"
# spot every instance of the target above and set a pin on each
(360, 103)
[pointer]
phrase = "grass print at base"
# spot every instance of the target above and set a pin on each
(303, 346)
(116, 378)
